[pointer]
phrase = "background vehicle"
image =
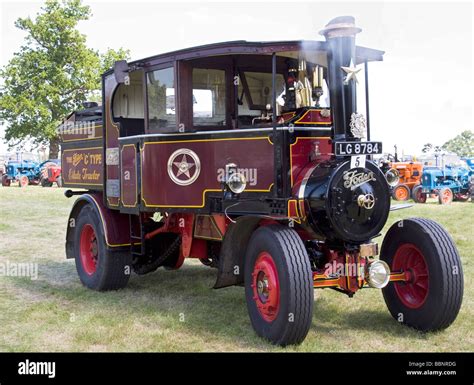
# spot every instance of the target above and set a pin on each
(448, 183)
(51, 173)
(410, 177)
(252, 158)
(24, 172)
(27, 172)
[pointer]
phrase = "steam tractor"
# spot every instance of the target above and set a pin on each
(251, 157)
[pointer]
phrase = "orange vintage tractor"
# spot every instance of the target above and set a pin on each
(410, 176)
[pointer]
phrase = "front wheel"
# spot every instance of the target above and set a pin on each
(278, 285)
(23, 181)
(445, 196)
(431, 298)
(401, 192)
(98, 267)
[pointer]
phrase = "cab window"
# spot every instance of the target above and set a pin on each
(128, 106)
(161, 100)
(209, 97)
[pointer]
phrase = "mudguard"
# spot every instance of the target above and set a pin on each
(115, 224)
(232, 255)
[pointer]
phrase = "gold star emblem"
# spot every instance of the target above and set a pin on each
(351, 73)
(184, 166)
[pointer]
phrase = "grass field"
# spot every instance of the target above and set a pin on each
(179, 310)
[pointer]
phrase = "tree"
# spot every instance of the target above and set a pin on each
(461, 145)
(427, 148)
(53, 73)
(430, 147)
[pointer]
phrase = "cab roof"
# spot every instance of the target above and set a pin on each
(247, 47)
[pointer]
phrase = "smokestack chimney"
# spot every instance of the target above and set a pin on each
(340, 34)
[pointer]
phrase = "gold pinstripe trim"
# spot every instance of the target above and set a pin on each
(291, 151)
(136, 176)
(306, 113)
(84, 183)
(142, 149)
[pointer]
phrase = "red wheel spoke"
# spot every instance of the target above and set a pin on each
(422, 284)
(414, 292)
(88, 249)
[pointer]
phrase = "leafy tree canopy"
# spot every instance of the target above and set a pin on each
(52, 74)
(461, 145)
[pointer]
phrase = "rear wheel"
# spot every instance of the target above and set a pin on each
(401, 192)
(5, 181)
(98, 267)
(45, 182)
(431, 298)
(461, 197)
(418, 195)
(445, 196)
(278, 285)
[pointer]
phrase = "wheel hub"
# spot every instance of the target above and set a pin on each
(262, 287)
(266, 287)
(414, 292)
(89, 250)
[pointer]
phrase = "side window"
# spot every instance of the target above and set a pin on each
(254, 99)
(128, 106)
(161, 100)
(209, 97)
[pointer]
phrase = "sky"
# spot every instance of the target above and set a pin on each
(421, 92)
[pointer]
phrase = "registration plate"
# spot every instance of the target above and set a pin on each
(357, 148)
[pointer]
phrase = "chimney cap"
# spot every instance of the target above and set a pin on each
(339, 27)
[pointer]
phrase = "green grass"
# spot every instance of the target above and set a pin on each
(179, 310)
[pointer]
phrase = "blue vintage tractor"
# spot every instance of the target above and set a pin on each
(24, 172)
(470, 163)
(448, 183)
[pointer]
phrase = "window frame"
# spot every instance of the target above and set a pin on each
(161, 66)
(228, 123)
(247, 94)
(224, 63)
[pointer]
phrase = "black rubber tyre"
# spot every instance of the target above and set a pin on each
(445, 282)
(5, 181)
(292, 321)
(401, 192)
(112, 268)
(206, 261)
(460, 197)
(418, 195)
(45, 182)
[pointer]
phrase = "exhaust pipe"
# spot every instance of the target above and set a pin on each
(340, 34)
